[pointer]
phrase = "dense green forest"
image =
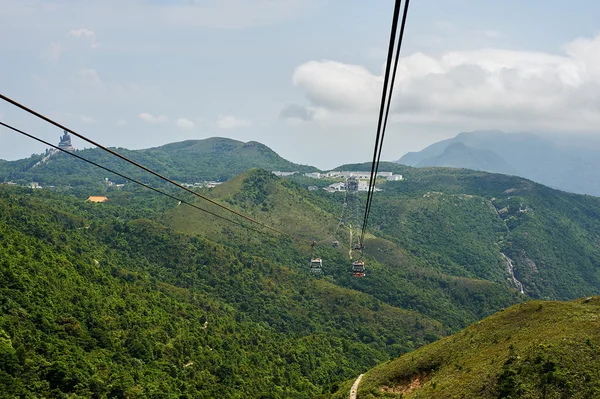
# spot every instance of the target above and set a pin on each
(97, 303)
(142, 297)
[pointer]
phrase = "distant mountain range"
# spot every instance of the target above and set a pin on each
(566, 164)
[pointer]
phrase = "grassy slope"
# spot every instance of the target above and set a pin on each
(532, 350)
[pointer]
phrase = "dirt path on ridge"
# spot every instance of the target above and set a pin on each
(355, 387)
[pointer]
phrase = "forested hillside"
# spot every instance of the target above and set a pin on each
(394, 276)
(187, 161)
(96, 303)
(470, 224)
(142, 297)
(533, 350)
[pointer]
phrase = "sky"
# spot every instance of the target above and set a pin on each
(301, 76)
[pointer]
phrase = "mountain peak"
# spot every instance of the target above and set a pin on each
(189, 161)
(523, 154)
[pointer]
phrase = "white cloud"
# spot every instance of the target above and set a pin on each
(88, 120)
(299, 112)
(184, 124)
(231, 122)
(500, 88)
(84, 34)
(90, 79)
(146, 117)
(53, 52)
(338, 86)
(121, 122)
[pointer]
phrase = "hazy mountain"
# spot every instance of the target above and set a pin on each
(566, 164)
(460, 155)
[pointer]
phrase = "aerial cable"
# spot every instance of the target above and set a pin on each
(112, 152)
(387, 111)
(375, 166)
(339, 222)
(132, 180)
(383, 100)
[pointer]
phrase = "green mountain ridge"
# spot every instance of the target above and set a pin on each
(532, 350)
(552, 236)
(188, 161)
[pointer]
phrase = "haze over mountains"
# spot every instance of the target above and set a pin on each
(566, 164)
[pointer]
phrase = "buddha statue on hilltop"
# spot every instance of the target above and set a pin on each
(65, 142)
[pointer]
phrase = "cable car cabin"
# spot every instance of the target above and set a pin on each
(316, 264)
(335, 244)
(358, 247)
(358, 268)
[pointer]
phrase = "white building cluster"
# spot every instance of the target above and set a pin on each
(362, 177)
(362, 186)
(389, 176)
(207, 184)
(283, 174)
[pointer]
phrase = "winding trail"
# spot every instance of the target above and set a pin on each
(355, 387)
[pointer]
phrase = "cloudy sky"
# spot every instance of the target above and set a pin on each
(301, 76)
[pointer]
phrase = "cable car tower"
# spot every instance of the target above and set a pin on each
(353, 212)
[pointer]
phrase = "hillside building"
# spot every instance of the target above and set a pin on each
(94, 198)
(283, 174)
(336, 187)
(340, 174)
(314, 175)
(394, 178)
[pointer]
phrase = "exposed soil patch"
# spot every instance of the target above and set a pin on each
(409, 386)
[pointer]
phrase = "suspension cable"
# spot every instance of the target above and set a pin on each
(385, 104)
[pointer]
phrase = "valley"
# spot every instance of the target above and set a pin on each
(141, 296)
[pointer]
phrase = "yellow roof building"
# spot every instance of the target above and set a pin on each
(97, 199)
